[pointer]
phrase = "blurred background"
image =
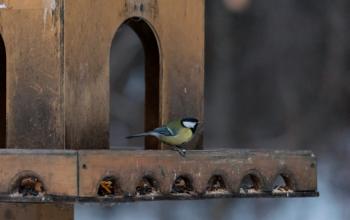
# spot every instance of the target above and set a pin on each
(277, 77)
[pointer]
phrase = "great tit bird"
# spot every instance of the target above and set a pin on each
(175, 133)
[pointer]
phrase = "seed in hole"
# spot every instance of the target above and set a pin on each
(146, 186)
(109, 187)
(216, 183)
(182, 184)
(250, 184)
(282, 184)
(30, 186)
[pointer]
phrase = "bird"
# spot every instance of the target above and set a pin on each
(175, 133)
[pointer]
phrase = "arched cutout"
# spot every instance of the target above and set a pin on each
(2, 93)
(151, 94)
(109, 186)
(283, 184)
(250, 183)
(182, 184)
(28, 183)
(216, 184)
(147, 186)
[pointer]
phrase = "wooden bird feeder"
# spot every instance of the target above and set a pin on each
(54, 82)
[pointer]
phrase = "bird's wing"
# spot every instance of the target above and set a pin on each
(164, 131)
(174, 126)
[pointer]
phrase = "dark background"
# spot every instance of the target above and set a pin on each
(277, 77)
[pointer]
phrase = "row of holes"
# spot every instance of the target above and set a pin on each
(149, 186)
(108, 186)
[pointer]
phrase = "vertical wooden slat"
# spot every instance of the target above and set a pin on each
(34, 74)
(32, 32)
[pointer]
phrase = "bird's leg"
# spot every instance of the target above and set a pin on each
(180, 150)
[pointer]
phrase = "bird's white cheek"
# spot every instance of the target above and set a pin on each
(189, 124)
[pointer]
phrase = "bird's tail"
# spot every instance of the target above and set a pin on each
(139, 135)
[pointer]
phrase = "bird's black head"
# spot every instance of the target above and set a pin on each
(190, 123)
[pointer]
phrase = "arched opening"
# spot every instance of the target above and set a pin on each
(250, 183)
(2, 93)
(216, 184)
(182, 184)
(109, 186)
(134, 83)
(147, 186)
(282, 184)
(27, 183)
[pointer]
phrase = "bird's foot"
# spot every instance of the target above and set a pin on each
(180, 150)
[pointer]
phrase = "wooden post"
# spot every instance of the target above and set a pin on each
(32, 35)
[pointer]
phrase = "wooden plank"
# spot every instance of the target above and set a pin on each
(36, 212)
(29, 4)
(134, 175)
(57, 170)
(179, 29)
(199, 167)
(34, 76)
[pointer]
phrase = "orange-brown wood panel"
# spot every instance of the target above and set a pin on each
(31, 31)
(129, 167)
(57, 170)
(89, 29)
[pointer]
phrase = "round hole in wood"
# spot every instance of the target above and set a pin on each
(147, 185)
(216, 184)
(182, 184)
(250, 183)
(109, 186)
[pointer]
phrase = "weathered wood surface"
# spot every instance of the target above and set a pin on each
(70, 176)
(199, 166)
(89, 29)
(32, 32)
(35, 212)
(56, 169)
(60, 74)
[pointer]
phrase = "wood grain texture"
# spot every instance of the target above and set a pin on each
(89, 29)
(34, 74)
(74, 176)
(56, 170)
(36, 212)
(128, 167)
(32, 32)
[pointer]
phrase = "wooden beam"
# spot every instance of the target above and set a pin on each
(120, 175)
(56, 171)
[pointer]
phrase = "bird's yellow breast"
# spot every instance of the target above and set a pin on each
(183, 135)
